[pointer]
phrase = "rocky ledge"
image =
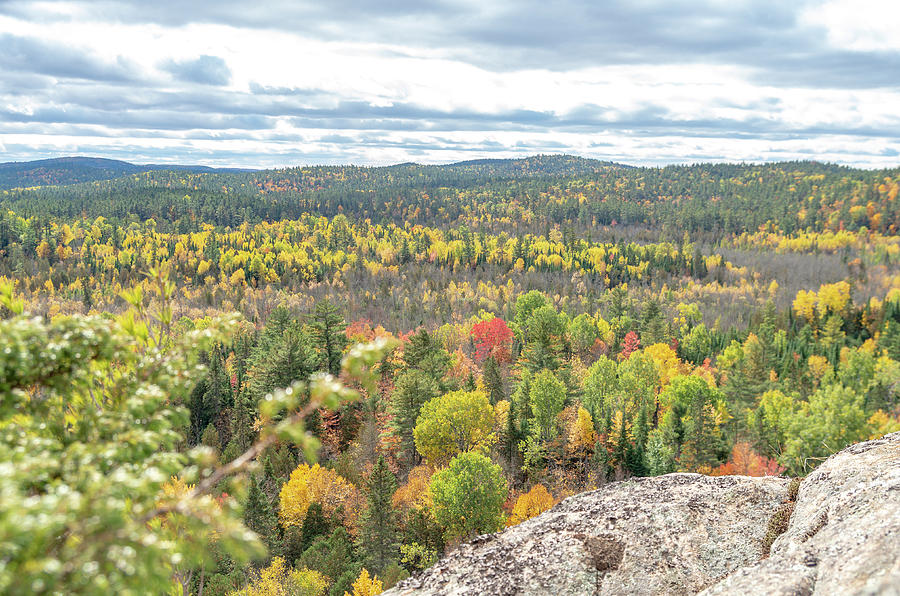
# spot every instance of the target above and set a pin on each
(688, 534)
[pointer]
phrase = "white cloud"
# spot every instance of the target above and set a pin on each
(859, 25)
(408, 101)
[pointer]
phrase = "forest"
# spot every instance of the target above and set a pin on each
(318, 380)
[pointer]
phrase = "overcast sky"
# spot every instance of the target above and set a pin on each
(377, 82)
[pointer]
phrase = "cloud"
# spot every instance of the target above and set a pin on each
(645, 81)
(205, 70)
(38, 56)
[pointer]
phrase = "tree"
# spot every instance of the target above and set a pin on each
(582, 436)
(547, 399)
(545, 328)
(83, 486)
(600, 387)
(468, 496)
(379, 522)
(631, 343)
(584, 334)
(258, 516)
(526, 304)
(769, 423)
(412, 390)
(328, 332)
(833, 418)
(453, 423)
(333, 557)
(493, 338)
(745, 462)
(533, 503)
(366, 586)
(309, 485)
(693, 412)
(279, 580)
(493, 380)
(423, 353)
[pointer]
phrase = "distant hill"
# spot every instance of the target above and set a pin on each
(550, 165)
(72, 170)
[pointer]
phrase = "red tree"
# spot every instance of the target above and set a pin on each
(746, 462)
(631, 343)
(492, 338)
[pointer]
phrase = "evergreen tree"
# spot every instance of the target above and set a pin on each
(413, 389)
(423, 352)
(242, 433)
(634, 455)
(493, 381)
(328, 333)
(379, 522)
(259, 517)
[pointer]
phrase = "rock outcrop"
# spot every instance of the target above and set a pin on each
(687, 533)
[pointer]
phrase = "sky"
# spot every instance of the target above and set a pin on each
(287, 82)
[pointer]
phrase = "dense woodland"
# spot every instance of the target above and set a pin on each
(367, 366)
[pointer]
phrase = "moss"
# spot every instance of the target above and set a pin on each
(794, 489)
(778, 523)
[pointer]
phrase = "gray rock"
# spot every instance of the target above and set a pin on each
(673, 534)
(844, 534)
(683, 533)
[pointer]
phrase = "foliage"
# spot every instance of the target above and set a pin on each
(366, 586)
(534, 502)
(279, 580)
(468, 496)
(454, 423)
(309, 485)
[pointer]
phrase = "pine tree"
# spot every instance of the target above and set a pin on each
(328, 333)
(379, 522)
(242, 433)
(413, 389)
(634, 455)
(259, 517)
(493, 382)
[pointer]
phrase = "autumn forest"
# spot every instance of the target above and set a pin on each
(318, 380)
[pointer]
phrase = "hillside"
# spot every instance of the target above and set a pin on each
(73, 170)
(686, 533)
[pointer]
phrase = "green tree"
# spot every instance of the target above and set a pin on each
(453, 423)
(333, 557)
(493, 380)
(601, 386)
(378, 533)
(690, 424)
(468, 496)
(547, 399)
(259, 517)
(83, 486)
(412, 390)
(832, 419)
(328, 333)
(424, 353)
(542, 350)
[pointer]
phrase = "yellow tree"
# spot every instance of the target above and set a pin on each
(582, 436)
(278, 579)
(805, 305)
(834, 298)
(308, 485)
(667, 362)
(530, 504)
(366, 586)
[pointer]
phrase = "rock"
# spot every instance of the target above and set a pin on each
(673, 534)
(844, 534)
(683, 533)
